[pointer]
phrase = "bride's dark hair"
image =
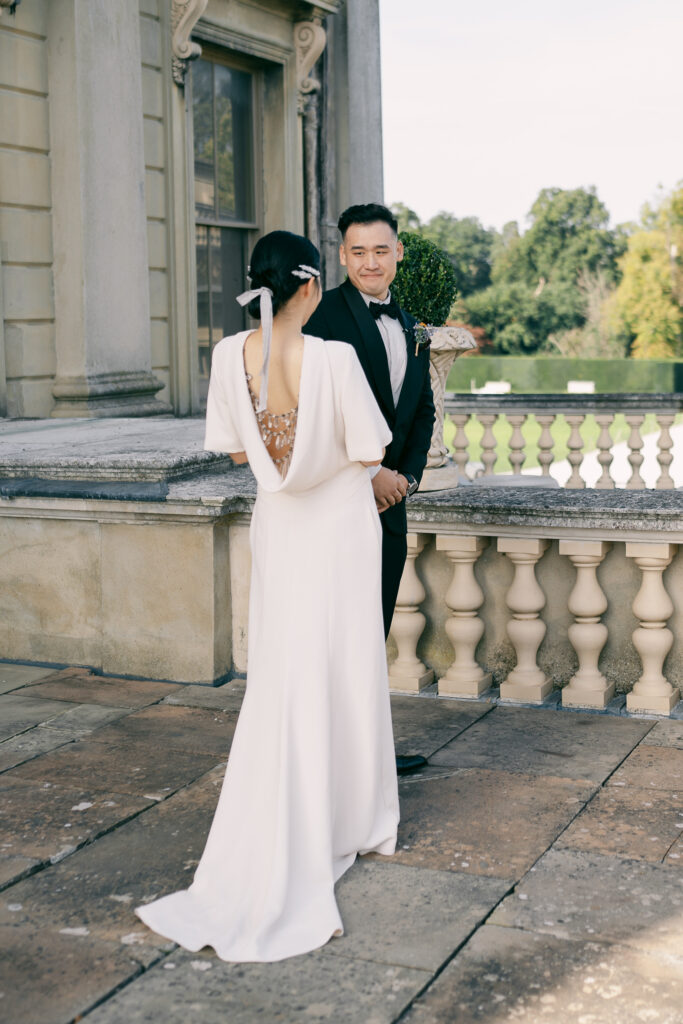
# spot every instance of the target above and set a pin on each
(275, 258)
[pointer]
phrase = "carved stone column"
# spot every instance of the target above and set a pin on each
(101, 278)
(407, 672)
(652, 639)
(526, 630)
(588, 687)
(464, 628)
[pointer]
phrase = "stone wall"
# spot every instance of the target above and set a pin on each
(27, 305)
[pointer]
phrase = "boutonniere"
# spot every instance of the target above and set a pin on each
(422, 335)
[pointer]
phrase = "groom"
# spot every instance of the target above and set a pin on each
(362, 313)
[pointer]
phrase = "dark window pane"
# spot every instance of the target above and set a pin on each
(227, 281)
(203, 312)
(225, 143)
(233, 142)
(233, 278)
(216, 284)
(204, 143)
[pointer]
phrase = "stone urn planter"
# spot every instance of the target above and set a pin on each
(447, 343)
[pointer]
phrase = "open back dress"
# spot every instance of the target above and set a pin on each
(311, 777)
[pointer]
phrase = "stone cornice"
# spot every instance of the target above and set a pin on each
(241, 42)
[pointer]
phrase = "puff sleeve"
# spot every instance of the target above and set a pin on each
(366, 432)
(221, 434)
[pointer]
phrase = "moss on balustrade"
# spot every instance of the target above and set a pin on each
(548, 375)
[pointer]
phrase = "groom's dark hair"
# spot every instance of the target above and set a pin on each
(366, 213)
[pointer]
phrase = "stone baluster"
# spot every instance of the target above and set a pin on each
(545, 443)
(407, 672)
(464, 628)
(575, 456)
(635, 455)
(652, 639)
(605, 457)
(587, 602)
(460, 443)
(517, 454)
(526, 630)
(488, 442)
(665, 455)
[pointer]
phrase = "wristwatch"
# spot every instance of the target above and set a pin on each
(412, 484)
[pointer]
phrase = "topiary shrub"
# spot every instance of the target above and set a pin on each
(425, 280)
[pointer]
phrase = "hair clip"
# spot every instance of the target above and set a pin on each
(305, 272)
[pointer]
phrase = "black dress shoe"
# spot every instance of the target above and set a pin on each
(404, 765)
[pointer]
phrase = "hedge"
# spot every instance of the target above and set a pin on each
(549, 375)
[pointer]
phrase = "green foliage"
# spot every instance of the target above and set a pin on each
(407, 219)
(647, 307)
(536, 295)
(596, 338)
(425, 280)
(468, 245)
(520, 319)
(568, 234)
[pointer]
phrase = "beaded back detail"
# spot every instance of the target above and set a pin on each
(277, 431)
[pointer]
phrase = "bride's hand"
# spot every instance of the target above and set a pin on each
(389, 488)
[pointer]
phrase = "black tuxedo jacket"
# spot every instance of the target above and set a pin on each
(343, 316)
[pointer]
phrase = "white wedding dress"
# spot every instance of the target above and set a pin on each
(311, 778)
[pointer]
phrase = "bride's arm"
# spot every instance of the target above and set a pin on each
(239, 458)
(377, 462)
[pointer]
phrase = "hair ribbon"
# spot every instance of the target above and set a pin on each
(265, 296)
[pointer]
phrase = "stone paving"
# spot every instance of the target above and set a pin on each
(539, 874)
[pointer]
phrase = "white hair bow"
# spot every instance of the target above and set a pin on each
(265, 296)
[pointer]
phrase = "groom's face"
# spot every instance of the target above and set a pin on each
(370, 253)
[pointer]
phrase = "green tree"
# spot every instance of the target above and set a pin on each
(407, 219)
(647, 307)
(535, 289)
(568, 234)
(468, 244)
(519, 319)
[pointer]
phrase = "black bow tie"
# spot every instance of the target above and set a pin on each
(389, 308)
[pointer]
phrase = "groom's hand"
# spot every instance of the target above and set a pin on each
(389, 488)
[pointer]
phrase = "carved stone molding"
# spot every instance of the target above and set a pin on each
(184, 16)
(309, 43)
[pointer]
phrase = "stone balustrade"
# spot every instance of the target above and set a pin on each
(599, 462)
(575, 593)
(534, 594)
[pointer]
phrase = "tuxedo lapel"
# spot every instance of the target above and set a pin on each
(412, 382)
(373, 347)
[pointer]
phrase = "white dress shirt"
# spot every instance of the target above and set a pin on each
(397, 353)
(395, 344)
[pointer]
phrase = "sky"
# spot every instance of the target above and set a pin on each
(486, 102)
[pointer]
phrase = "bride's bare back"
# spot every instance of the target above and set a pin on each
(277, 422)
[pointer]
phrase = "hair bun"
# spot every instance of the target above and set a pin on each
(282, 261)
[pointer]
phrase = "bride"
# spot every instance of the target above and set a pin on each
(311, 778)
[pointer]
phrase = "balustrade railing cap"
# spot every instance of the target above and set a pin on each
(616, 402)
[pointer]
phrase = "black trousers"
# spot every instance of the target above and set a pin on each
(394, 551)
